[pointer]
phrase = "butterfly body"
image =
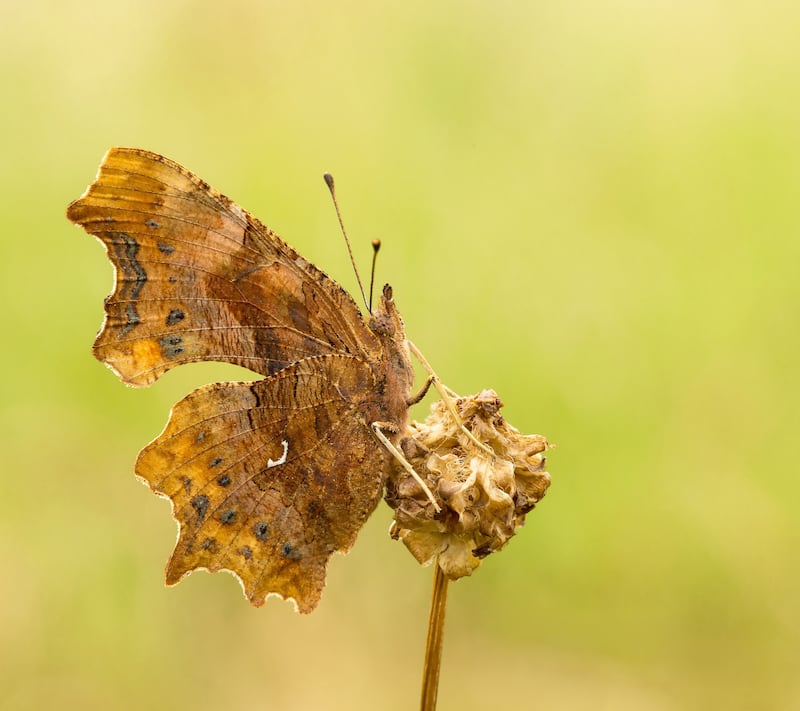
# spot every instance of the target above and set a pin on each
(268, 478)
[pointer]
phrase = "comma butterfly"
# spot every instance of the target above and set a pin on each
(267, 478)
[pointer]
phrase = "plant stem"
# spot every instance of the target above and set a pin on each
(433, 646)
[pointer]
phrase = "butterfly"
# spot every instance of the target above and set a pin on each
(268, 478)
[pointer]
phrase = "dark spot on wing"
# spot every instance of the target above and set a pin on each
(224, 480)
(132, 279)
(165, 248)
(261, 530)
(131, 252)
(200, 504)
(175, 316)
(171, 346)
(210, 545)
(215, 462)
(131, 318)
(290, 552)
(246, 552)
(200, 437)
(152, 224)
(228, 517)
(187, 484)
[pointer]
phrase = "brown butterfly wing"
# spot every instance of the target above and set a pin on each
(198, 278)
(269, 478)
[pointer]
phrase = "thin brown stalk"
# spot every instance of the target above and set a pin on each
(433, 646)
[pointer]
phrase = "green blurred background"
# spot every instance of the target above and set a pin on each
(591, 207)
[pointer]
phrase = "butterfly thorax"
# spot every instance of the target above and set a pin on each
(393, 370)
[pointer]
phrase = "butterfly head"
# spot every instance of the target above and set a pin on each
(385, 320)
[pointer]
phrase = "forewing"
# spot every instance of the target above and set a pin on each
(198, 278)
(268, 479)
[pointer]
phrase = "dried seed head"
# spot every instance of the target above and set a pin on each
(484, 499)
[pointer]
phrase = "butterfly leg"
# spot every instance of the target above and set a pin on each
(447, 395)
(414, 399)
(377, 427)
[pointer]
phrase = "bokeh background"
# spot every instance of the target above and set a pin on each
(591, 207)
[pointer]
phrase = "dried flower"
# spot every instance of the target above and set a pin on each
(483, 499)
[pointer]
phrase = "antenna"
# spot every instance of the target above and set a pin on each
(376, 245)
(329, 182)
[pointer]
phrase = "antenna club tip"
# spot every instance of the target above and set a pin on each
(328, 180)
(376, 244)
